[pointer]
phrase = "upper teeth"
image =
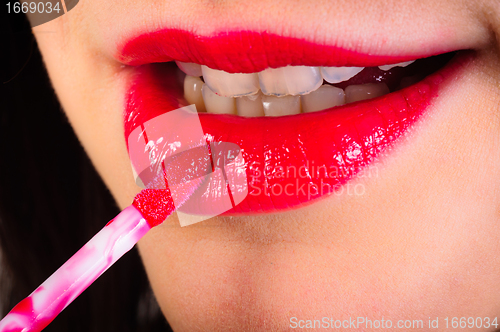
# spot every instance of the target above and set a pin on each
(275, 91)
(191, 69)
(230, 85)
(401, 64)
(339, 74)
(290, 80)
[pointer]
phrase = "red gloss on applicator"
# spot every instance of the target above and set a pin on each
(149, 209)
(155, 205)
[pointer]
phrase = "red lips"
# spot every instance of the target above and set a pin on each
(245, 51)
(290, 160)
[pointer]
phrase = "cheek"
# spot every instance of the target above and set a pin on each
(91, 89)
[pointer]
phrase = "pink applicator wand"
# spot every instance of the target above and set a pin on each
(197, 179)
(149, 209)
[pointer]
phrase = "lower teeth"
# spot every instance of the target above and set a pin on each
(250, 106)
(215, 103)
(279, 106)
(325, 97)
(193, 93)
(355, 93)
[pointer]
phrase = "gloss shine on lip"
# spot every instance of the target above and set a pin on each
(290, 160)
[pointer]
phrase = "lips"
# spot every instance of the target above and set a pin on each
(290, 161)
(247, 51)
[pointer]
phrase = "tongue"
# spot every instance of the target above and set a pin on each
(392, 77)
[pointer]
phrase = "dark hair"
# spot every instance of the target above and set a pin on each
(52, 201)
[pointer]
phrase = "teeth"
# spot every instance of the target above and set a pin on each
(192, 92)
(217, 104)
(230, 85)
(401, 64)
(284, 91)
(339, 74)
(365, 91)
(250, 106)
(278, 106)
(191, 69)
(325, 97)
(290, 80)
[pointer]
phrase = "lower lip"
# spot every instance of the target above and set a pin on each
(294, 160)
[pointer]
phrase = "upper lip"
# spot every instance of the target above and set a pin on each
(247, 51)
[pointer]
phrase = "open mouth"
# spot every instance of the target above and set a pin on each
(305, 125)
(298, 89)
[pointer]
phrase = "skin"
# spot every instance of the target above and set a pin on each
(421, 241)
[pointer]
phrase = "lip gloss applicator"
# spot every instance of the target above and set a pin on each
(149, 209)
(180, 172)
